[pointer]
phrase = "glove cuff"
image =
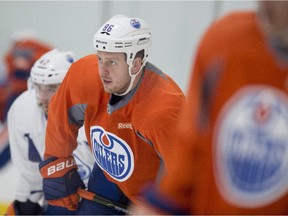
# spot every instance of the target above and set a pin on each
(57, 167)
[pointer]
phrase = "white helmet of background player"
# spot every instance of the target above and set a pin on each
(51, 67)
(123, 34)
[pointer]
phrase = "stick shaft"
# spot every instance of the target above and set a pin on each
(99, 199)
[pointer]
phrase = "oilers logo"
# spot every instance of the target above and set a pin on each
(251, 147)
(112, 154)
(69, 58)
(135, 23)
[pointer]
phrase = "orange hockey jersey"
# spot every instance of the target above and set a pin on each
(19, 60)
(130, 139)
(235, 125)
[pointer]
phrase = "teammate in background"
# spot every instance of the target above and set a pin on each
(27, 120)
(19, 59)
(17, 62)
(234, 128)
(130, 108)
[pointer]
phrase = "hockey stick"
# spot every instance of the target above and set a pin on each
(99, 199)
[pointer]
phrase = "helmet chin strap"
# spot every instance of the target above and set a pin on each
(133, 76)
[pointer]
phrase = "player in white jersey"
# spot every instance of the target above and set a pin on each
(27, 119)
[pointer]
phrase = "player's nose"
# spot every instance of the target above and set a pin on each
(103, 69)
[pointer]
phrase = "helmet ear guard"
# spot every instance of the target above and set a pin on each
(51, 67)
(124, 34)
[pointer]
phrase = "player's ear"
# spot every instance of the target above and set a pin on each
(136, 65)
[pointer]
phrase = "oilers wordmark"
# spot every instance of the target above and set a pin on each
(251, 146)
(111, 162)
(112, 154)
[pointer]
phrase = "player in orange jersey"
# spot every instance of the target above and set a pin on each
(23, 53)
(234, 129)
(19, 59)
(130, 109)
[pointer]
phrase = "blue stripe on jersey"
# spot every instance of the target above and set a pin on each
(33, 153)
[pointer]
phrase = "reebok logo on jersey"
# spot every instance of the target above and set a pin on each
(125, 125)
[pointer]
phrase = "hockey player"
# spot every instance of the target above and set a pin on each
(235, 126)
(27, 119)
(23, 53)
(19, 59)
(130, 108)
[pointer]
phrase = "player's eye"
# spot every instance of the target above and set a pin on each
(52, 90)
(100, 59)
(111, 62)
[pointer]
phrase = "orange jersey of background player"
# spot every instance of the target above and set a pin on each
(128, 139)
(19, 59)
(234, 126)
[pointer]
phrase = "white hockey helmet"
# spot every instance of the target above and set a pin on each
(52, 67)
(124, 34)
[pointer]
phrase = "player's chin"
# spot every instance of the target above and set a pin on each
(108, 89)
